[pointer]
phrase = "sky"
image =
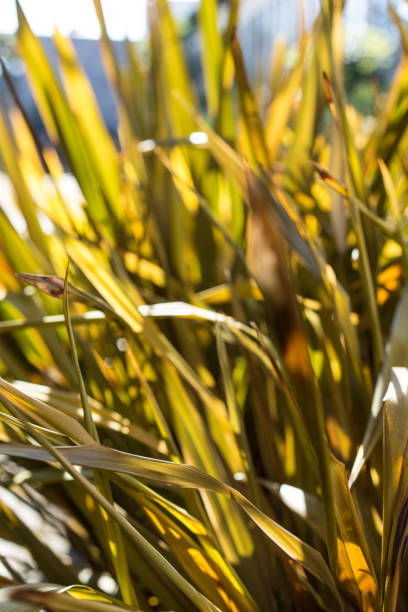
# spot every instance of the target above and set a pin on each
(123, 17)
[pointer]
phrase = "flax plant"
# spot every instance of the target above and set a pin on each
(203, 367)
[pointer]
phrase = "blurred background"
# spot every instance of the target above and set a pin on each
(372, 50)
(371, 40)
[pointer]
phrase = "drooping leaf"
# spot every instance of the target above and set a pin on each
(185, 476)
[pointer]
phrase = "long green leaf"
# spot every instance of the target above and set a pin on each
(97, 456)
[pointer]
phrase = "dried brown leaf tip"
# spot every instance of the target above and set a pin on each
(329, 179)
(51, 285)
(328, 90)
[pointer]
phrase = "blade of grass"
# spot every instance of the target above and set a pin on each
(59, 602)
(113, 533)
(203, 604)
(332, 182)
(249, 111)
(56, 419)
(211, 54)
(396, 355)
(101, 150)
(60, 122)
(236, 418)
(357, 570)
(279, 110)
(394, 495)
(70, 403)
(25, 202)
(180, 475)
(356, 188)
(395, 211)
(92, 316)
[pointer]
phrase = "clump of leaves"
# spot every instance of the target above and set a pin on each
(194, 406)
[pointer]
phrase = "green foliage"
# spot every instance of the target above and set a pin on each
(196, 408)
